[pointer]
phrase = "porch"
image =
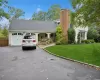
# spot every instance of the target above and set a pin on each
(43, 37)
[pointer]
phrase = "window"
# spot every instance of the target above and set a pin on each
(32, 34)
(27, 37)
(14, 33)
(20, 34)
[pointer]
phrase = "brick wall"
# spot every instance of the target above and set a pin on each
(65, 21)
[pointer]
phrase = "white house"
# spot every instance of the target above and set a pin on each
(40, 29)
(80, 29)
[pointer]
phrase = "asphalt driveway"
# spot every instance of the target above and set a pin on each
(16, 64)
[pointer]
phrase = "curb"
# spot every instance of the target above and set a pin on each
(83, 63)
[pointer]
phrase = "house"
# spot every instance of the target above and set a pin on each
(40, 29)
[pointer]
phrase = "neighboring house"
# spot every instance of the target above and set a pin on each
(80, 30)
(40, 29)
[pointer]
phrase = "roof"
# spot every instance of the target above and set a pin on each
(45, 26)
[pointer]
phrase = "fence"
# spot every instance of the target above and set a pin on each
(3, 42)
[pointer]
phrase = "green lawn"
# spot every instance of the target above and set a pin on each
(89, 53)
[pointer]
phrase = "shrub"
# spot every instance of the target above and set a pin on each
(60, 39)
(71, 35)
(46, 41)
(92, 34)
(88, 41)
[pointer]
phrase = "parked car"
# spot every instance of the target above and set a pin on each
(28, 42)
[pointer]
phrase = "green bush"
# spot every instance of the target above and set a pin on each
(88, 41)
(60, 39)
(93, 34)
(71, 35)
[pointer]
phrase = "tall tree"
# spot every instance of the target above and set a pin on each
(3, 4)
(15, 13)
(39, 16)
(5, 31)
(89, 9)
(54, 12)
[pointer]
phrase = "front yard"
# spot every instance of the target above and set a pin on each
(89, 53)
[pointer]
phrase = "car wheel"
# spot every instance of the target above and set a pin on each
(23, 48)
(35, 47)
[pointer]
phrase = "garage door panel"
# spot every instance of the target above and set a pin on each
(16, 39)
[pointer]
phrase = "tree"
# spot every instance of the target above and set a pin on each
(3, 4)
(54, 12)
(39, 16)
(5, 31)
(15, 13)
(60, 38)
(92, 33)
(71, 35)
(89, 9)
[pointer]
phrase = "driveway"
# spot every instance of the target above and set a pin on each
(16, 64)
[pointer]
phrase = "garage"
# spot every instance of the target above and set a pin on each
(16, 39)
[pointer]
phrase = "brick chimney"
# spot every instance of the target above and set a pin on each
(65, 21)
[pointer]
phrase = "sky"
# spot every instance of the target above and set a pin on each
(31, 6)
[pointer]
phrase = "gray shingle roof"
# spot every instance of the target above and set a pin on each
(46, 26)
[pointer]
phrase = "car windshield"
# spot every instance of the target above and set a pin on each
(27, 37)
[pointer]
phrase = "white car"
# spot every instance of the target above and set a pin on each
(28, 41)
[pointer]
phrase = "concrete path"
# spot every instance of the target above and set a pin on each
(44, 46)
(16, 64)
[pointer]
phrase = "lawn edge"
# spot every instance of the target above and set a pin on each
(83, 63)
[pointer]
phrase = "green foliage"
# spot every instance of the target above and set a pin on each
(41, 15)
(2, 32)
(88, 41)
(98, 38)
(5, 31)
(3, 4)
(92, 33)
(71, 35)
(53, 13)
(72, 17)
(60, 39)
(15, 13)
(89, 9)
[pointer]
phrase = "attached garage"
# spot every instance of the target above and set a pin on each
(18, 28)
(16, 39)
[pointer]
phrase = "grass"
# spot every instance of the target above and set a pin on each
(89, 53)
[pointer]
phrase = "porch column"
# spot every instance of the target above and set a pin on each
(76, 36)
(36, 35)
(86, 35)
(48, 35)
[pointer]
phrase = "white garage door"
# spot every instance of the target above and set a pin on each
(16, 39)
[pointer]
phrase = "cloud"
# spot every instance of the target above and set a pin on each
(4, 22)
(38, 9)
